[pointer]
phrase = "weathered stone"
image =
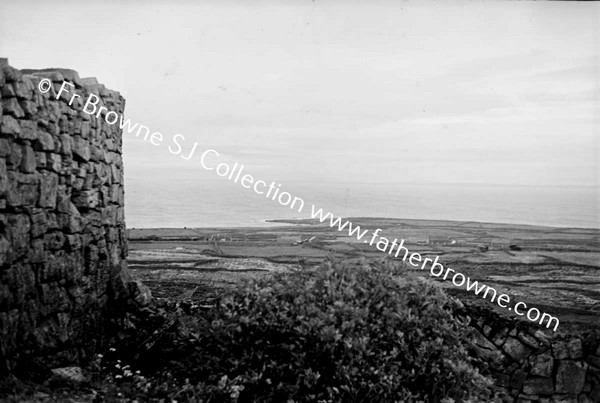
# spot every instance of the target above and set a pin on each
(22, 190)
(109, 144)
(538, 386)
(49, 127)
(13, 159)
(594, 360)
(586, 399)
(4, 250)
(528, 340)
(28, 130)
(88, 182)
(29, 108)
(86, 198)
(84, 129)
(66, 144)
(11, 74)
(7, 91)
(4, 147)
(40, 160)
(77, 183)
(96, 153)
(80, 172)
(527, 398)
(48, 190)
(74, 242)
(516, 349)
(75, 222)
(19, 233)
(595, 393)
(10, 126)
(81, 148)
(45, 141)
(23, 89)
(140, 293)
(117, 177)
(54, 240)
(54, 162)
(65, 125)
(72, 375)
(10, 106)
(564, 399)
(62, 199)
(37, 252)
(3, 177)
(39, 222)
(28, 162)
(542, 365)
(570, 377)
(52, 75)
(575, 348)
(560, 350)
(518, 379)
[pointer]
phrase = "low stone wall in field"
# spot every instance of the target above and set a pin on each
(539, 366)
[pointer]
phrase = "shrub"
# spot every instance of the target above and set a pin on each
(339, 333)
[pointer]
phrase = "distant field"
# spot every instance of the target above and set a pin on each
(554, 269)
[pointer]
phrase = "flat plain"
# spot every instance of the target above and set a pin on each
(556, 270)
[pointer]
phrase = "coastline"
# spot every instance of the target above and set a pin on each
(278, 222)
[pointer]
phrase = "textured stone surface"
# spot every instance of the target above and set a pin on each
(516, 349)
(562, 368)
(542, 365)
(60, 261)
(560, 350)
(538, 386)
(570, 377)
(68, 375)
(575, 348)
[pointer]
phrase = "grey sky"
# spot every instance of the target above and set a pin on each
(456, 92)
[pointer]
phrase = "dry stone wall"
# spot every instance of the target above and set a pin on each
(62, 227)
(534, 366)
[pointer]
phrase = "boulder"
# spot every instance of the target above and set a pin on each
(28, 130)
(516, 349)
(140, 293)
(542, 365)
(560, 350)
(9, 125)
(72, 375)
(28, 162)
(10, 106)
(48, 190)
(45, 141)
(570, 377)
(575, 348)
(538, 386)
(3, 177)
(81, 148)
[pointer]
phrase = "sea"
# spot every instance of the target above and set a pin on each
(179, 202)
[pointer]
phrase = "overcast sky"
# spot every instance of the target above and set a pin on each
(331, 91)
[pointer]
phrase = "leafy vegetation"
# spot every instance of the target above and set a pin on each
(337, 333)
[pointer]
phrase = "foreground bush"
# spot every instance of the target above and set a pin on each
(339, 333)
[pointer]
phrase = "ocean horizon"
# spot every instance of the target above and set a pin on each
(220, 203)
